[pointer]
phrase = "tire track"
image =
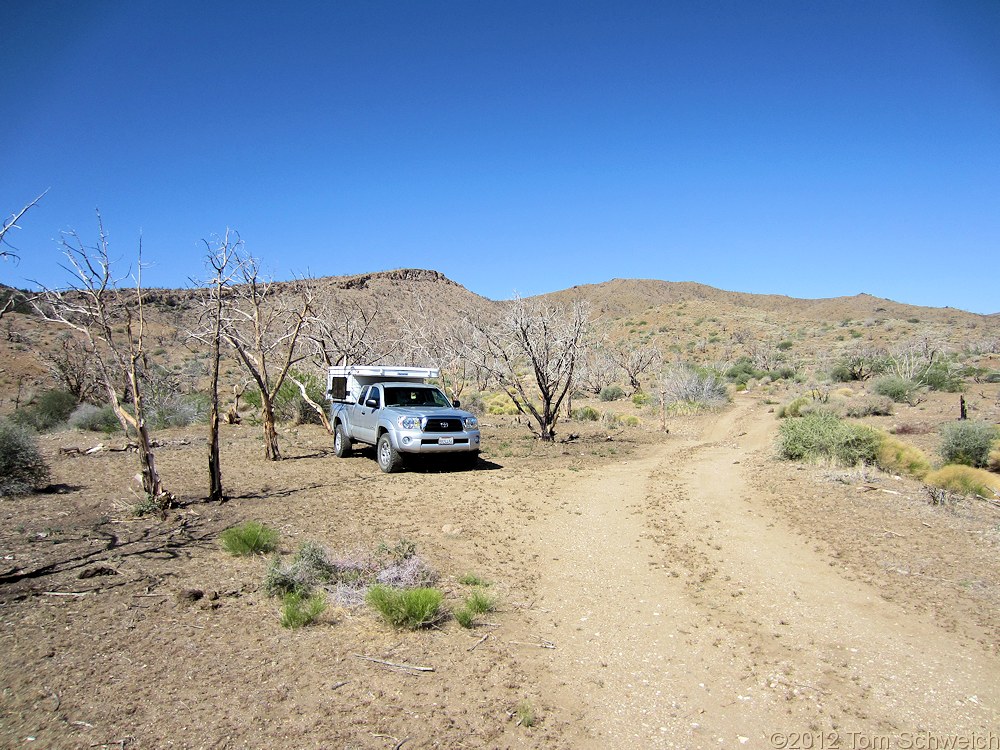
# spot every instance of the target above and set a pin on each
(687, 614)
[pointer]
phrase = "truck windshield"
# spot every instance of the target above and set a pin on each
(415, 397)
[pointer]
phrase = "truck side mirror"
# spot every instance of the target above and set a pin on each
(372, 403)
(457, 404)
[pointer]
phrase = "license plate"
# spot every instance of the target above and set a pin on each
(446, 441)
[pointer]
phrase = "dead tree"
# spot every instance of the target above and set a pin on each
(429, 336)
(264, 330)
(73, 365)
(532, 350)
(348, 333)
(7, 251)
(222, 261)
(634, 361)
(112, 322)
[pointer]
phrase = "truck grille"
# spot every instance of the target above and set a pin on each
(443, 424)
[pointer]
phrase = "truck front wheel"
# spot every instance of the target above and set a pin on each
(341, 442)
(389, 459)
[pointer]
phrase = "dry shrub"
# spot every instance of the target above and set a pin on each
(994, 461)
(911, 429)
(965, 480)
(897, 457)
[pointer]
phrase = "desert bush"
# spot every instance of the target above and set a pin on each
(299, 610)
(967, 442)
(897, 457)
(476, 603)
(249, 538)
(500, 403)
(94, 418)
(641, 398)
(873, 406)
(586, 414)
(743, 371)
(900, 390)
(471, 579)
(942, 376)
(22, 467)
(993, 461)
(824, 436)
(525, 714)
(611, 393)
(177, 410)
(48, 410)
(965, 480)
(793, 408)
(691, 387)
(406, 608)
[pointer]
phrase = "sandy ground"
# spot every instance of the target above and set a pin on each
(685, 591)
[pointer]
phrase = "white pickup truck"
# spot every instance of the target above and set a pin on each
(399, 412)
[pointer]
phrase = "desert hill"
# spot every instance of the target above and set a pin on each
(685, 320)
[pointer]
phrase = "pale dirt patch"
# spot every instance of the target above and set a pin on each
(697, 593)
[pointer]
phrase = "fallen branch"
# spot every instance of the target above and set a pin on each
(66, 593)
(542, 643)
(479, 642)
(394, 664)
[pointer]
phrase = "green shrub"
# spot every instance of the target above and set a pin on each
(824, 436)
(743, 371)
(967, 442)
(525, 714)
(471, 579)
(479, 602)
(464, 617)
(586, 414)
(22, 467)
(406, 608)
(611, 393)
(641, 399)
(249, 538)
(50, 409)
(897, 457)
(299, 610)
(942, 376)
(793, 408)
(900, 390)
(94, 418)
(965, 480)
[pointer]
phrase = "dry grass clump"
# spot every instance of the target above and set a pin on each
(965, 480)
(897, 457)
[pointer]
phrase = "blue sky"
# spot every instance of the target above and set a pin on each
(813, 149)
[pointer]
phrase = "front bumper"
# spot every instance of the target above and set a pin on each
(415, 441)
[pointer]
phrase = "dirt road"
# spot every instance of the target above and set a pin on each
(686, 613)
(687, 591)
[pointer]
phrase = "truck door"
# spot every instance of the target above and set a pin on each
(367, 417)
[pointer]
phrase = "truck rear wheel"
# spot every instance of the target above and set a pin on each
(389, 459)
(341, 442)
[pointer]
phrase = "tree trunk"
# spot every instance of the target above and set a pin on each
(150, 478)
(214, 466)
(271, 450)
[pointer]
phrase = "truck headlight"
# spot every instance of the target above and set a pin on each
(409, 423)
(471, 423)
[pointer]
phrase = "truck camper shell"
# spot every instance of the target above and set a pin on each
(344, 383)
